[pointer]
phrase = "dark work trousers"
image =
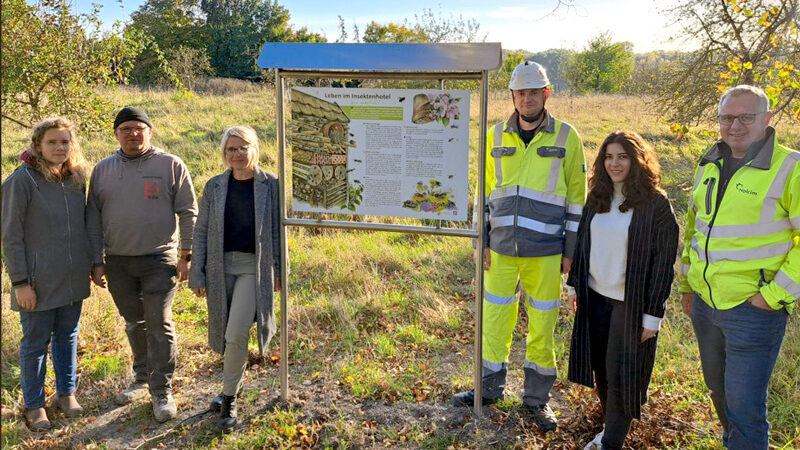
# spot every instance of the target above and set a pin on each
(143, 288)
(606, 329)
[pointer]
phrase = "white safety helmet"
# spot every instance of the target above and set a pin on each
(528, 75)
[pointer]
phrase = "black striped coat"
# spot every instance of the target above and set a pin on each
(652, 247)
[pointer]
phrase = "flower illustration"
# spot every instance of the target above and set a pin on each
(430, 198)
(443, 108)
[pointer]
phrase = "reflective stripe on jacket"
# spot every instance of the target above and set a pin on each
(534, 193)
(749, 241)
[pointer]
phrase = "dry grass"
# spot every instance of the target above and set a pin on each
(381, 324)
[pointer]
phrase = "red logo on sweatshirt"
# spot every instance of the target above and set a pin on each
(152, 189)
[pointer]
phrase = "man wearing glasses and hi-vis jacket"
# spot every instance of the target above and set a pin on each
(535, 191)
(741, 262)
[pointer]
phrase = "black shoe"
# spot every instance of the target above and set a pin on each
(543, 417)
(467, 398)
(227, 414)
(216, 403)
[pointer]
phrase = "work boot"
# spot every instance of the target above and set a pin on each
(164, 407)
(227, 414)
(136, 391)
(543, 417)
(36, 419)
(69, 405)
(494, 383)
(467, 398)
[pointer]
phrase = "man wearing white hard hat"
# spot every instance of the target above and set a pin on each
(535, 190)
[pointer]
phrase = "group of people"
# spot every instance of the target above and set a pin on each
(138, 231)
(740, 260)
(135, 231)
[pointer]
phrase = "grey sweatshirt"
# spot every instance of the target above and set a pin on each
(133, 203)
(44, 238)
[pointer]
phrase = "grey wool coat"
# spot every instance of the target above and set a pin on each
(207, 269)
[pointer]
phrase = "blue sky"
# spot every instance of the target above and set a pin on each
(518, 24)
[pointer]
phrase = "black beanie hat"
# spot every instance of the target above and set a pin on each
(131, 113)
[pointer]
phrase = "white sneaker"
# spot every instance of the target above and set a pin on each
(597, 442)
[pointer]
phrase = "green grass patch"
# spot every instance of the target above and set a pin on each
(384, 346)
(101, 367)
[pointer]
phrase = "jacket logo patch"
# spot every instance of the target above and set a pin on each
(503, 151)
(740, 187)
(550, 151)
(152, 190)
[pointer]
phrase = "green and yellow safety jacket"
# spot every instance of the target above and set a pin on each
(748, 239)
(534, 193)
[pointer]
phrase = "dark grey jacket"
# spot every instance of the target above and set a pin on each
(44, 237)
(207, 269)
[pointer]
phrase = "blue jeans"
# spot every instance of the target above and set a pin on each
(38, 328)
(738, 349)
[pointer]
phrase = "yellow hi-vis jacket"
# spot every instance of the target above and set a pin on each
(534, 193)
(749, 241)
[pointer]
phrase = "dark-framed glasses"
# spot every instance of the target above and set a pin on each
(745, 119)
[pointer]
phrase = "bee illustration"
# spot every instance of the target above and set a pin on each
(451, 139)
(453, 126)
(401, 99)
(450, 176)
(357, 160)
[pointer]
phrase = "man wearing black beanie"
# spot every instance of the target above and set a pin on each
(131, 113)
(134, 198)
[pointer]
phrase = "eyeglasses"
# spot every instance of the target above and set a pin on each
(744, 119)
(130, 130)
(242, 149)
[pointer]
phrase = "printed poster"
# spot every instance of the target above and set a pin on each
(381, 152)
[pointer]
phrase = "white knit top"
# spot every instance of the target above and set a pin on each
(609, 253)
(608, 256)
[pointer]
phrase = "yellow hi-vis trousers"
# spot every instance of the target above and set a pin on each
(541, 279)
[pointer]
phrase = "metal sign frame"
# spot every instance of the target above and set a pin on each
(386, 62)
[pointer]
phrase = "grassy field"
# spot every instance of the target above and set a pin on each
(381, 324)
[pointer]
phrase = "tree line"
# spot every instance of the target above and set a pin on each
(53, 60)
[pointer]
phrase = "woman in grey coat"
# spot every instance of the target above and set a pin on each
(236, 260)
(47, 258)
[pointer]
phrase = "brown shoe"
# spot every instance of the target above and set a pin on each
(69, 405)
(36, 419)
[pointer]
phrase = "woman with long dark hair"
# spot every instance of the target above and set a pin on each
(622, 273)
(47, 258)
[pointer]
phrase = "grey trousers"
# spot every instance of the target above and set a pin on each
(143, 288)
(240, 284)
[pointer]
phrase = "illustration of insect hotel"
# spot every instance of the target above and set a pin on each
(318, 134)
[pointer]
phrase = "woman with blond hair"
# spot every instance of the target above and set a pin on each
(236, 260)
(622, 271)
(47, 259)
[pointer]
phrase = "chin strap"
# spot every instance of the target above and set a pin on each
(531, 119)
